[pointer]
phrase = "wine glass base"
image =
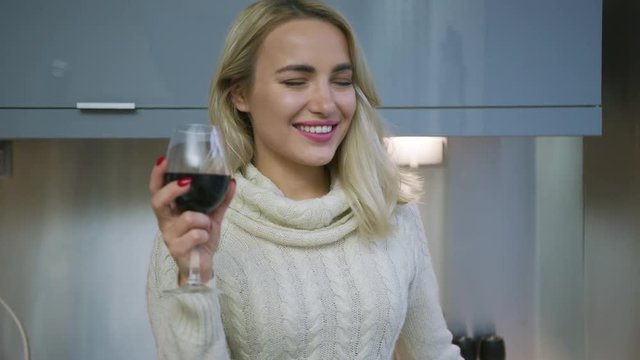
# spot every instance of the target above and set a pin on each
(188, 289)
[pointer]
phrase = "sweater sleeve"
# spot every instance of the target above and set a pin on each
(186, 326)
(424, 334)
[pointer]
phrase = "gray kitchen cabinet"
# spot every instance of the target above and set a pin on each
(436, 53)
(155, 53)
(490, 67)
(448, 68)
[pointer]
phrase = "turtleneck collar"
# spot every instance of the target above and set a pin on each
(261, 209)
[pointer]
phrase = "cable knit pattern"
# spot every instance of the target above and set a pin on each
(295, 281)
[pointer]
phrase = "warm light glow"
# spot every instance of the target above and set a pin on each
(414, 151)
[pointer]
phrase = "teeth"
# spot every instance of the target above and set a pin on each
(316, 129)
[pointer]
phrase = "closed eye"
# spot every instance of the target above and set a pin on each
(294, 82)
(343, 82)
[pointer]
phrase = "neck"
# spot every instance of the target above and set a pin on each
(296, 182)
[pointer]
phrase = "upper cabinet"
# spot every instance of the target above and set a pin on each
(488, 67)
(481, 53)
(154, 53)
(470, 67)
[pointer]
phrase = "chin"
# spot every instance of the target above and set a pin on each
(319, 161)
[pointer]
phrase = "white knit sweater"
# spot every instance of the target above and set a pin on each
(293, 280)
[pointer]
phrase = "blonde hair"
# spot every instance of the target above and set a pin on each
(372, 182)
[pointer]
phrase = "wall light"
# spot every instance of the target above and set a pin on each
(414, 151)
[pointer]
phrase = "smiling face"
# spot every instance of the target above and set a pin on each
(302, 98)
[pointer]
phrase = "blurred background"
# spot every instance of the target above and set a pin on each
(532, 213)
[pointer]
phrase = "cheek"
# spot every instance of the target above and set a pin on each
(280, 106)
(290, 102)
(347, 104)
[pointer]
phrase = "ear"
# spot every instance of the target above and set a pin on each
(239, 99)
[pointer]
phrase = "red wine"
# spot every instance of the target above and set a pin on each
(206, 191)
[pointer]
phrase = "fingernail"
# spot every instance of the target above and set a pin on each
(233, 180)
(160, 160)
(184, 182)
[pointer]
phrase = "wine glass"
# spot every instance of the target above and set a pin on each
(196, 151)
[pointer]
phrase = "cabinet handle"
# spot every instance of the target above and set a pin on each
(105, 106)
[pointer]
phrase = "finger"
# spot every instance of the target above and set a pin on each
(156, 180)
(218, 213)
(189, 220)
(162, 200)
(181, 247)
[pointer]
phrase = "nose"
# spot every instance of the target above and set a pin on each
(322, 101)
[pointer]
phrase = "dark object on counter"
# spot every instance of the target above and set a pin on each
(492, 348)
(467, 347)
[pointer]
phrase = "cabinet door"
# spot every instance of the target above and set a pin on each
(468, 67)
(156, 53)
(479, 53)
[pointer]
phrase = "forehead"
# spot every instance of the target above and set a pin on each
(304, 41)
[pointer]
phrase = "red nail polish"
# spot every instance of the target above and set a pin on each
(184, 182)
(160, 160)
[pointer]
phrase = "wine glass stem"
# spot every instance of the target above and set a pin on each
(194, 267)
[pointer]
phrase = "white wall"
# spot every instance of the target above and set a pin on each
(559, 255)
(76, 231)
(504, 221)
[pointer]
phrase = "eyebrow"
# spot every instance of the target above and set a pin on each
(310, 69)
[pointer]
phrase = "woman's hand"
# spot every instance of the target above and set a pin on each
(183, 231)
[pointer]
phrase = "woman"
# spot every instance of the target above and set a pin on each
(319, 255)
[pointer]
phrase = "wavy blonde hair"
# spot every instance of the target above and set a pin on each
(372, 182)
